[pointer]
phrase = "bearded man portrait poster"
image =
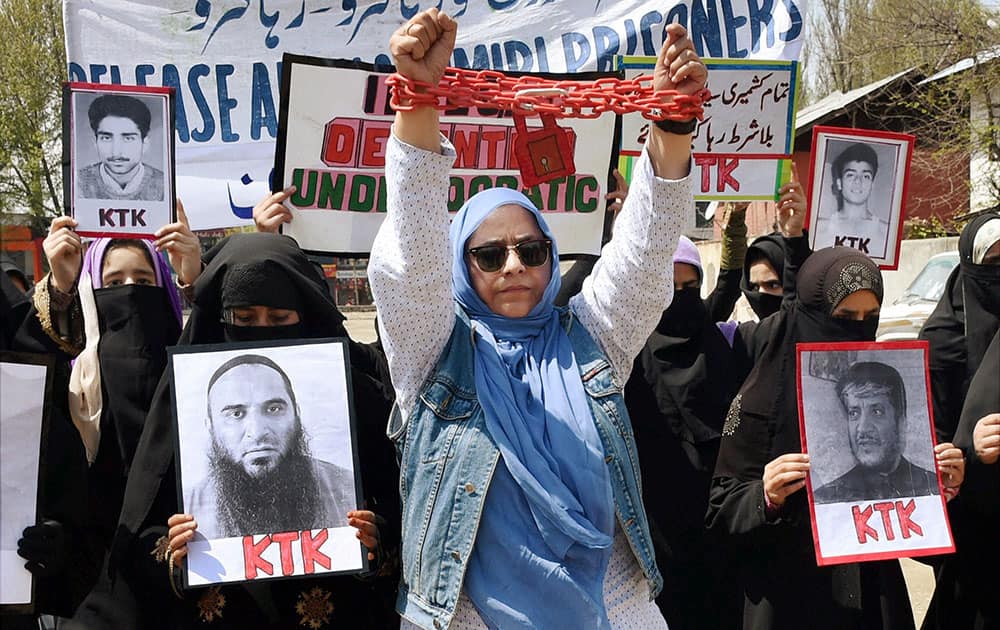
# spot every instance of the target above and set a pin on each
(265, 439)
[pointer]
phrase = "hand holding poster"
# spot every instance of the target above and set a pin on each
(864, 414)
(336, 120)
(741, 146)
(24, 381)
(858, 191)
(118, 159)
(267, 454)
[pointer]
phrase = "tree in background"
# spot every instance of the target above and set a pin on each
(32, 68)
(956, 119)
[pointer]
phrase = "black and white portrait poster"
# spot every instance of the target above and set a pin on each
(118, 158)
(23, 381)
(858, 191)
(865, 421)
(266, 452)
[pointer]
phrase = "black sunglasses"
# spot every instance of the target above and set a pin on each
(491, 258)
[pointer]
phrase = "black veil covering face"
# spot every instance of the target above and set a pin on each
(136, 590)
(770, 248)
(784, 588)
(136, 325)
(968, 581)
(960, 329)
(980, 294)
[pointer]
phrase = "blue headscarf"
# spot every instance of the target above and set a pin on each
(548, 520)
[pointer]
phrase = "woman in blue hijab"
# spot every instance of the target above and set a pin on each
(519, 479)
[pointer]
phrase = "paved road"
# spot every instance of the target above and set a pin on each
(919, 577)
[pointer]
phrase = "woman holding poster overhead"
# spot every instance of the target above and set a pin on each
(521, 500)
(757, 500)
(130, 312)
(112, 310)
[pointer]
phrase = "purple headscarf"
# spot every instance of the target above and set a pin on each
(687, 252)
(93, 263)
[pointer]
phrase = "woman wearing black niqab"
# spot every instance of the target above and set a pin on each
(767, 523)
(767, 249)
(254, 286)
(964, 321)
(681, 384)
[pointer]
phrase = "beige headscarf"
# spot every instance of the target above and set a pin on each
(85, 398)
(986, 237)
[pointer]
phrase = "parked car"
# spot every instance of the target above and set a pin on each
(904, 318)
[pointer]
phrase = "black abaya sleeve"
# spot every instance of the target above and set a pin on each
(722, 300)
(736, 507)
(797, 250)
(981, 488)
(944, 331)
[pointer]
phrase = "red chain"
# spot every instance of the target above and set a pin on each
(490, 89)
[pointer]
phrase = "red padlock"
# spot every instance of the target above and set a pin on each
(543, 153)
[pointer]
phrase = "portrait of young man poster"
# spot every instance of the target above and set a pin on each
(858, 191)
(118, 158)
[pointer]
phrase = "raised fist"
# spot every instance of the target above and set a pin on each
(421, 48)
(678, 66)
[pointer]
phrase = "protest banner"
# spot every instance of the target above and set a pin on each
(857, 195)
(335, 122)
(267, 454)
(223, 59)
(865, 421)
(743, 147)
(25, 380)
(118, 159)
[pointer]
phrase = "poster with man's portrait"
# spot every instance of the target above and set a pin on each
(118, 158)
(25, 383)
(865, 421)
(858, 191)
(266, 452)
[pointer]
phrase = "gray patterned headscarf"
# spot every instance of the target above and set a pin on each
(833, 273)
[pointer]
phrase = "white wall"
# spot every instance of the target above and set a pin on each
(982, 171)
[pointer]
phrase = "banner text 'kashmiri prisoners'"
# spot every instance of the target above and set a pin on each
(223, 59)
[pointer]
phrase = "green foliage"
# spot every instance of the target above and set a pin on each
(32, 68)
(934, 227)
(853, 43)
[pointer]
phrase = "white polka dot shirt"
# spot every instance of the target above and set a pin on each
(410, 266)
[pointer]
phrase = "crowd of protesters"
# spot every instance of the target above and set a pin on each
(601, 450)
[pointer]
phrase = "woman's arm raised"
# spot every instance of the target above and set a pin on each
(632, 282)
(410, 266)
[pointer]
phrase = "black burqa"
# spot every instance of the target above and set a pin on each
(968, 581)
(783, 586)
(960, 328)
(268, 270)
(137, 324)
(681, 385)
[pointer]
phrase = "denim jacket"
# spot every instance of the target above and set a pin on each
(447, 459)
